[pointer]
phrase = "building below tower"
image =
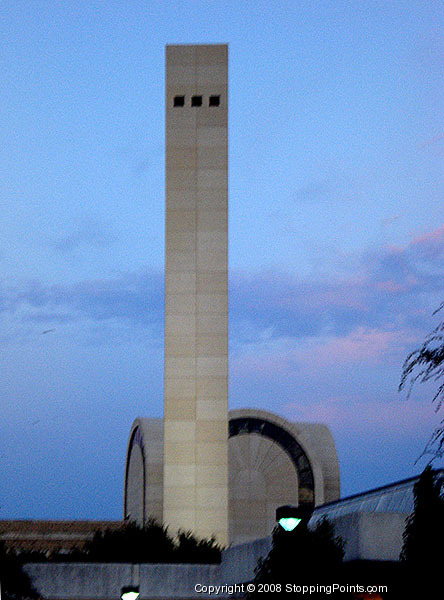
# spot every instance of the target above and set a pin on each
(271, 462)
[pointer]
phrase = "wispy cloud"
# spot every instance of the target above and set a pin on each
(391, 291)
(132, 297)
(433, 140)
(357, 416)
(313, 192)
(391, 287)
(90, 232)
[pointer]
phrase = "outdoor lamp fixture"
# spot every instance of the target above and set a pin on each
(130, 592)
(289, 517)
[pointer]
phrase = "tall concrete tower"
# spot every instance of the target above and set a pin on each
(195, 481)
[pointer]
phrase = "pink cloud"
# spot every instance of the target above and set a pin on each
(433, 140)
(429, 244)
(426, 245)
(378, 417)
(394, 287)
(360, 345)
(285, 357)
(437, 235)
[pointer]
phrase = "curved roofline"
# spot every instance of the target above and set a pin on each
(381, 488)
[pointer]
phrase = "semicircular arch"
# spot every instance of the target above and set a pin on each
(287, 442)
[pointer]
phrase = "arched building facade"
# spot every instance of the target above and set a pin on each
(271, 462)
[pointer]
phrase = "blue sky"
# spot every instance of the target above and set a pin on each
(336, 230)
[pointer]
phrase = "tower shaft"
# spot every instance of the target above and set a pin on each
(196, 291)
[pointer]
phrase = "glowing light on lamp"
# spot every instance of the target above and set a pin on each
(130, 592)
(289, 517)
(289, 523)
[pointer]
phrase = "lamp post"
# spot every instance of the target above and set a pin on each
(131, 592)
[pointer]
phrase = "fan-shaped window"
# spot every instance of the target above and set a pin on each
(287, 442)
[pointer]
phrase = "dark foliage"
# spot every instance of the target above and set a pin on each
(427, 364)
(191, 550)
(131, 543)
(150, 543)
(15, 584)
(302, 557)
(424, 533)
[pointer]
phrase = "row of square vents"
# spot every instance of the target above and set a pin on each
(196, 101)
